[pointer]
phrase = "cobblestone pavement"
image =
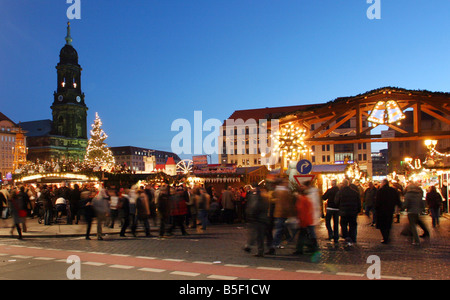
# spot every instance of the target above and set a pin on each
(222, 244)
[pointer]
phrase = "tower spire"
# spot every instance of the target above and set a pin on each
(68, 37)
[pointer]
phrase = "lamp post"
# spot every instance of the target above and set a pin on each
(431, 144)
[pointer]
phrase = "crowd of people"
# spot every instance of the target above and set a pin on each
(282, 211)
(274, 211)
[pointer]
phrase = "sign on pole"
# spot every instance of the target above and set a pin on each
(304, 167)
(301, 179)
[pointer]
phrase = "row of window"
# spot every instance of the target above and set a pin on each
(340, 157)
(8, 138)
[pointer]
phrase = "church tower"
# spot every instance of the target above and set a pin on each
(65, 137)
(69, 109)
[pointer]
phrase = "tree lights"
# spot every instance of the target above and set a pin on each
(97, 151)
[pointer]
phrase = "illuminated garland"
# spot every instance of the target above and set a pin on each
(434, 151)
(97, 151)
(289, 141)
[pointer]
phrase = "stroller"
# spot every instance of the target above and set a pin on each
(62, 209)
(39, 211)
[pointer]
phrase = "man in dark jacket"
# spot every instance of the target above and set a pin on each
(332, 212)
(370, 196)
(349, 203)
(387, 199)
(257, 216)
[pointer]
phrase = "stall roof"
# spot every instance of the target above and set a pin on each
(340, 168)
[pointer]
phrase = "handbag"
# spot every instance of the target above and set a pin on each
(22, 213)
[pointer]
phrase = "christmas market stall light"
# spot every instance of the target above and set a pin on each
(289, 141)
(65, 176)
(386, 112)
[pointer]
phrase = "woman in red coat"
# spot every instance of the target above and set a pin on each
(305, 214)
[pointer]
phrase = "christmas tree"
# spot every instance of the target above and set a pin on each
(97, 151)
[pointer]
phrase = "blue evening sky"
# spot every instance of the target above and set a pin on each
(149, 62)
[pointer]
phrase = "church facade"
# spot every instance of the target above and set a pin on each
(65, 136)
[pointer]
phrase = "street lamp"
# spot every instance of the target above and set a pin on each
(431, 144)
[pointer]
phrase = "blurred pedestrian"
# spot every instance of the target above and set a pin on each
(17, 212)
(284, 209)
(332, 212)
(142, 213)
(191, 218)
(4, 195)
(257, 217)
(75, 199)
(228, 205)
(124, 207)
(370, 196)
(414, 207)
(434, 202)
(178, 211)
(307, 221)
(89, 211)
(349, 203)
(387, 200)
(203, 200)
(113, 207)
(100, 204)
(163, 205)
(46, 198)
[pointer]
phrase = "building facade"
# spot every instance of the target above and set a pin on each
(241, 140)
(244, 144)
(142, 159)
(11, 139)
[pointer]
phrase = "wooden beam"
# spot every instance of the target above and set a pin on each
(358, 119)
(417, 117)
(378, 138)
(337, 115)
(438, 107)
(396, 128)
(436, 115)
(338, 124)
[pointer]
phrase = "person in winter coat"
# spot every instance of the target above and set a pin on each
(124, 208)
(142, 213)
(349, 203)
(284, 209)
(332, 212)
(46, 198)
(4, 196)
(414, 206)
(306, 221)
(163, 205)
(15, 207)
(434, 202)
(204, 204)
(228, 205)
(387, 199)
(258, 219)
(75, 199)
(370, 196)
(178, 211)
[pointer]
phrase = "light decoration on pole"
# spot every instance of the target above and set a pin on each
(97, 151)
(386, 112)
(289, 141)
